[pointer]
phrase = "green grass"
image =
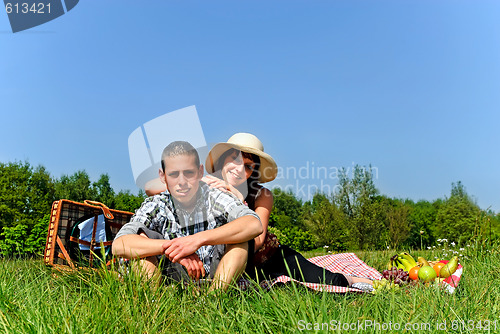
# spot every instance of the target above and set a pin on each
(33, 299)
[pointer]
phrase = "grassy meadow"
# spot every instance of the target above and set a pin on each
(36, 299)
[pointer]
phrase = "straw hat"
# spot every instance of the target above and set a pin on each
(245, 142)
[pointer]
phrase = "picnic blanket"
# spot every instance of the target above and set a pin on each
(346, 263)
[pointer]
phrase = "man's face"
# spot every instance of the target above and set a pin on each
(182, 177)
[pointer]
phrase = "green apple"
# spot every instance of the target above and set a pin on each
(427, 274)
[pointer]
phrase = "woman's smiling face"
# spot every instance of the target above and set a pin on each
(236, 169)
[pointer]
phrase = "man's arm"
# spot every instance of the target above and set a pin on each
(133, 246)
(129, 243)
(237, 231)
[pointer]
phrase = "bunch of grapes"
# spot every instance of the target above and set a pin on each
(391, 280)
(384, 285)
(398, 276)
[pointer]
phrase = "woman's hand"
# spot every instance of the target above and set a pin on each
(215, 182)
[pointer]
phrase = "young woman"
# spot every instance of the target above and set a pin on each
(240, 165)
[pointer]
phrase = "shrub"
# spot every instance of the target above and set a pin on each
(295, 238)
(17, 241)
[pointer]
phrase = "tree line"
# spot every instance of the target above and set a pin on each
(356, 216)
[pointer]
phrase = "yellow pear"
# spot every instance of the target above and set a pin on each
(423, 261)
(449, 268)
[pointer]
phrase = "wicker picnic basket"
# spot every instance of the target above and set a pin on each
(65, 215)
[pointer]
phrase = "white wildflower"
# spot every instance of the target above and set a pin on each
(462, 249)
(428, 247)
(453, 243)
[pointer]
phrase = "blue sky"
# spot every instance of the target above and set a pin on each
(410, 87)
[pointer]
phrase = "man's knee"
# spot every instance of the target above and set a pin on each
(146, 266)
(230, 256)
(241, 247)
(236, 254)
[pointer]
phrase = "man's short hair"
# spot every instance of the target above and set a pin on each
(179, 148)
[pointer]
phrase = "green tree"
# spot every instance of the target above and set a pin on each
(355, 192)
(26, 195)
(103, 191)
(76, 187)
(398, 222)
(364, 217)
(422, 217)
(126, 201)
(35, 242)
(14, 179)
(326, 222)
(41, 194)
(287, 210)
(458, 216)
(367, 228)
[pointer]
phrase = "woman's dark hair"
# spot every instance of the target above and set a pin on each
(252, 181)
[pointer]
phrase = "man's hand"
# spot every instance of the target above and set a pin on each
(179, 248)
(193, 265)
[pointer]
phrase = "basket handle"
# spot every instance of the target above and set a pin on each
(99, 205)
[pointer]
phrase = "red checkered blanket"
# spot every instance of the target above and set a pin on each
(346, 263)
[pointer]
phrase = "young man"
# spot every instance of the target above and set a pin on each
(189, 224)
